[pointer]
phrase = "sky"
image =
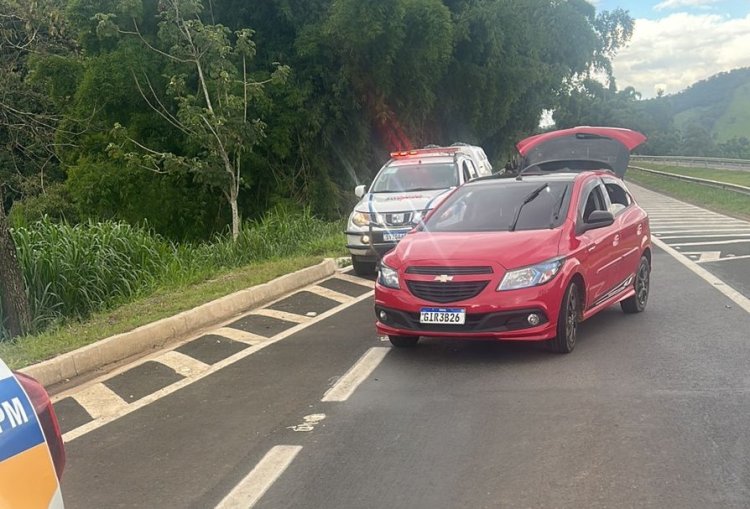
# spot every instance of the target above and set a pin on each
(679, 42)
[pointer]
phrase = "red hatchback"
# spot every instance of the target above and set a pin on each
(525, 258)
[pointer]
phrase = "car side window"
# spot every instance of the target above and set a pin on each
(594, 201)
(619, 198)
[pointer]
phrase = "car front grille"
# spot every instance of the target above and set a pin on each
(446, 292)
(448, 271)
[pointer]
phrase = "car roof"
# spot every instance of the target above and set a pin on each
(546, 177)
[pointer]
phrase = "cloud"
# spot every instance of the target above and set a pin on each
(676, 51)
(674, 4)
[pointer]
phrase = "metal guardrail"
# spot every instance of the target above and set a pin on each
(716, 163)
(704, 182)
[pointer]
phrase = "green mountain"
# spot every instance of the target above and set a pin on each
(720, 104)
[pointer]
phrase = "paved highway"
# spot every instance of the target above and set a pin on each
(301, 405)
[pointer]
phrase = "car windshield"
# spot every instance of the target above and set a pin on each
(494, 206)
(416, 177)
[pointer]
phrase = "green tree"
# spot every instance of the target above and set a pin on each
(214, 93)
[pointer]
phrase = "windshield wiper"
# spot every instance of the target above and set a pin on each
(556, 213)
(529, 197)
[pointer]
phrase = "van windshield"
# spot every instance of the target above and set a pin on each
(416, 177)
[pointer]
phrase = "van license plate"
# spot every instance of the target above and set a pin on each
(394, 236)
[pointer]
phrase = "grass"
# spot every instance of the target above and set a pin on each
(739, 177)
(89, 281)
(719, 200)
(735, 121)
(162, 303)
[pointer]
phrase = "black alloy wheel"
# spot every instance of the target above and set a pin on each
(642, 284)
(567, 321)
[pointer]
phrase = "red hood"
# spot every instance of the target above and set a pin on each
(510, 250)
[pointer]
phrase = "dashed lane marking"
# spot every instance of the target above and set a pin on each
(247, 493)
(347, 384)
(100, 401)
(702, 236)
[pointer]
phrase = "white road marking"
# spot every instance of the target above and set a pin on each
(100, 401)
(281, 315)
(308, 423)
(239, 335)
(714, 281)
(247, 493)
(711, 243)
(348, 383)
(181, 363)
(708, 236)
(147, 400)
(729, 231)
(356, 280)
(709, 256)
(727, 257)
(330, 294)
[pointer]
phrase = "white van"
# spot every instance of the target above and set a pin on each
(408, 186)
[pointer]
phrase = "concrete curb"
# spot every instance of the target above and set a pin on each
(158, 334)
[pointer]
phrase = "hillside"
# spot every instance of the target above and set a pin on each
(721, 104)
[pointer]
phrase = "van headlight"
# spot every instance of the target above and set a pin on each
(534, 275)
(388, 277)
(360, 218)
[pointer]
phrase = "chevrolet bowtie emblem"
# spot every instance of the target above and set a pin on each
(443, 278)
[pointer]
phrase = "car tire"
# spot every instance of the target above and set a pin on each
(363, 268)
(637, 303)
(567, 320)
(404, 341)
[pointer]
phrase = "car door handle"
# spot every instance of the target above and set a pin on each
(592, 248)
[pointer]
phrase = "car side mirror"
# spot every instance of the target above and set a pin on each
(360, 191)
(598, 219)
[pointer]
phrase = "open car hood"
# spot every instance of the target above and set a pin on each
(580, 149)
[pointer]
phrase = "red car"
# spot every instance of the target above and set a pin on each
(525, 258)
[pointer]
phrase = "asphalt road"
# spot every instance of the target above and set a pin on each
(649, 411)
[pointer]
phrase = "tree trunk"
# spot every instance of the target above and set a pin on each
(235, 217)
(13, 297)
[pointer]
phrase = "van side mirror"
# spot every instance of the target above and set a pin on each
(598, 219)
(360, 191)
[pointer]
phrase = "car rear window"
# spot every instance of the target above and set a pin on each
(416, 177)
(493, 207)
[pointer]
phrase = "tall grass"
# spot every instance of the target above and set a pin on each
(72, 271)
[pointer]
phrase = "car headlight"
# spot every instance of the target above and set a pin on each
(531, 276)
(361, 218)
(388, 277)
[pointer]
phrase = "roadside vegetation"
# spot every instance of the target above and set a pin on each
(719, 200)
(76, 271)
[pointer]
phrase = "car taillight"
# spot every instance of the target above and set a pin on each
(47, 419)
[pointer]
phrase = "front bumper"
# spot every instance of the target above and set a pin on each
(376, 248)
(489, 315)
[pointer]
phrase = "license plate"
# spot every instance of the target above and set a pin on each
(394, 236)
(446, 316)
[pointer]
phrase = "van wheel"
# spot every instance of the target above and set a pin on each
(363, 268)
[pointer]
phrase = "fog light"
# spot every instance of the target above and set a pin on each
(365, 239)
(383, 316)
(534, 319)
